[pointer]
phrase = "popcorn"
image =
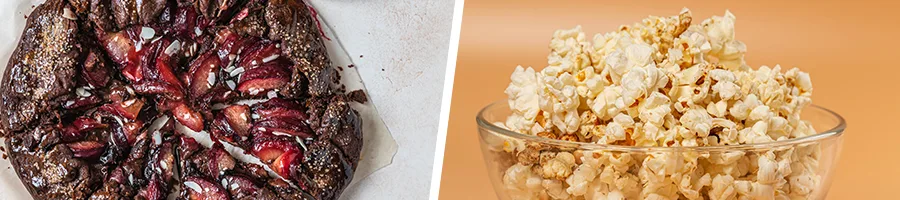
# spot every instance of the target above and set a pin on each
(662, 82)
(523, 100)
(559, 100)
(718, 109)
(720, 31)
(521, 183)
(559, 167)
(569, 52)
(589, 83)
(722, 188)
(604, 106)
(697, 121)
(581, 179)
(555, 189)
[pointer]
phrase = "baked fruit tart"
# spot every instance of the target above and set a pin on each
(99, 96)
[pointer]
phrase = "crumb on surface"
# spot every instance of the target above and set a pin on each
(358, 96)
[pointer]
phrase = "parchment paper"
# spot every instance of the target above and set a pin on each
(379, 146)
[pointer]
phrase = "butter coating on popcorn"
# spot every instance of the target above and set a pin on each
(661, 82)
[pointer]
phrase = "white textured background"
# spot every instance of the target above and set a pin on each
(408, 39)
(404, 46)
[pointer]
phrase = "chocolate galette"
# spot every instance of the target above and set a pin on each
(98, 96)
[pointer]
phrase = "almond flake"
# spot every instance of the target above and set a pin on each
(270, 58)
(174, 47)
(82, 92)
(272, 94)
(193, 186)
(280, 133)
(230, 84)
(236, 71)
(302, 144)
(157, 137)
(68, 14)
(219, 106)
(147, 33)
(211, 79)
(129, 102)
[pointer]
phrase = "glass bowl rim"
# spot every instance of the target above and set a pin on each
(833, 132)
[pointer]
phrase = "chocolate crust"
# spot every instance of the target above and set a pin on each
(63, 39)
(49, 170)
(292, 23)
(41, 68)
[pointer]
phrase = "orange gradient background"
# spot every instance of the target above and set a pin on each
(851, 51)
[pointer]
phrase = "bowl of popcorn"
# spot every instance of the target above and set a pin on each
(661, 109)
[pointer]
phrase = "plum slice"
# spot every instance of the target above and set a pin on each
(288, 161)
(282, 126)
(128, 109)
(187, 23)
(94, 70)
(86, 149)
(281, 153)
(259, 53)
(203, 73)
(120, 47)
(232, 124)
(280, 108)
(158, 88)
(241, 187)
(197, 188)
(80, 103)
(230, 44)
(238, 117)
(80, 128)
(218, 161)
(267, 149)
(281, 117)
(188, 117)
(161, 69)
(264, 78)
(220, 129)
(162, 163)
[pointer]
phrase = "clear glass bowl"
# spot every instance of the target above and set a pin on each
(530, 167)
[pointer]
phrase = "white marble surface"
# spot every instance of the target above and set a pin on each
(409, 40)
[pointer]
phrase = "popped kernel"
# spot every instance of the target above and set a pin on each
(523, 99)
(558, 167)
